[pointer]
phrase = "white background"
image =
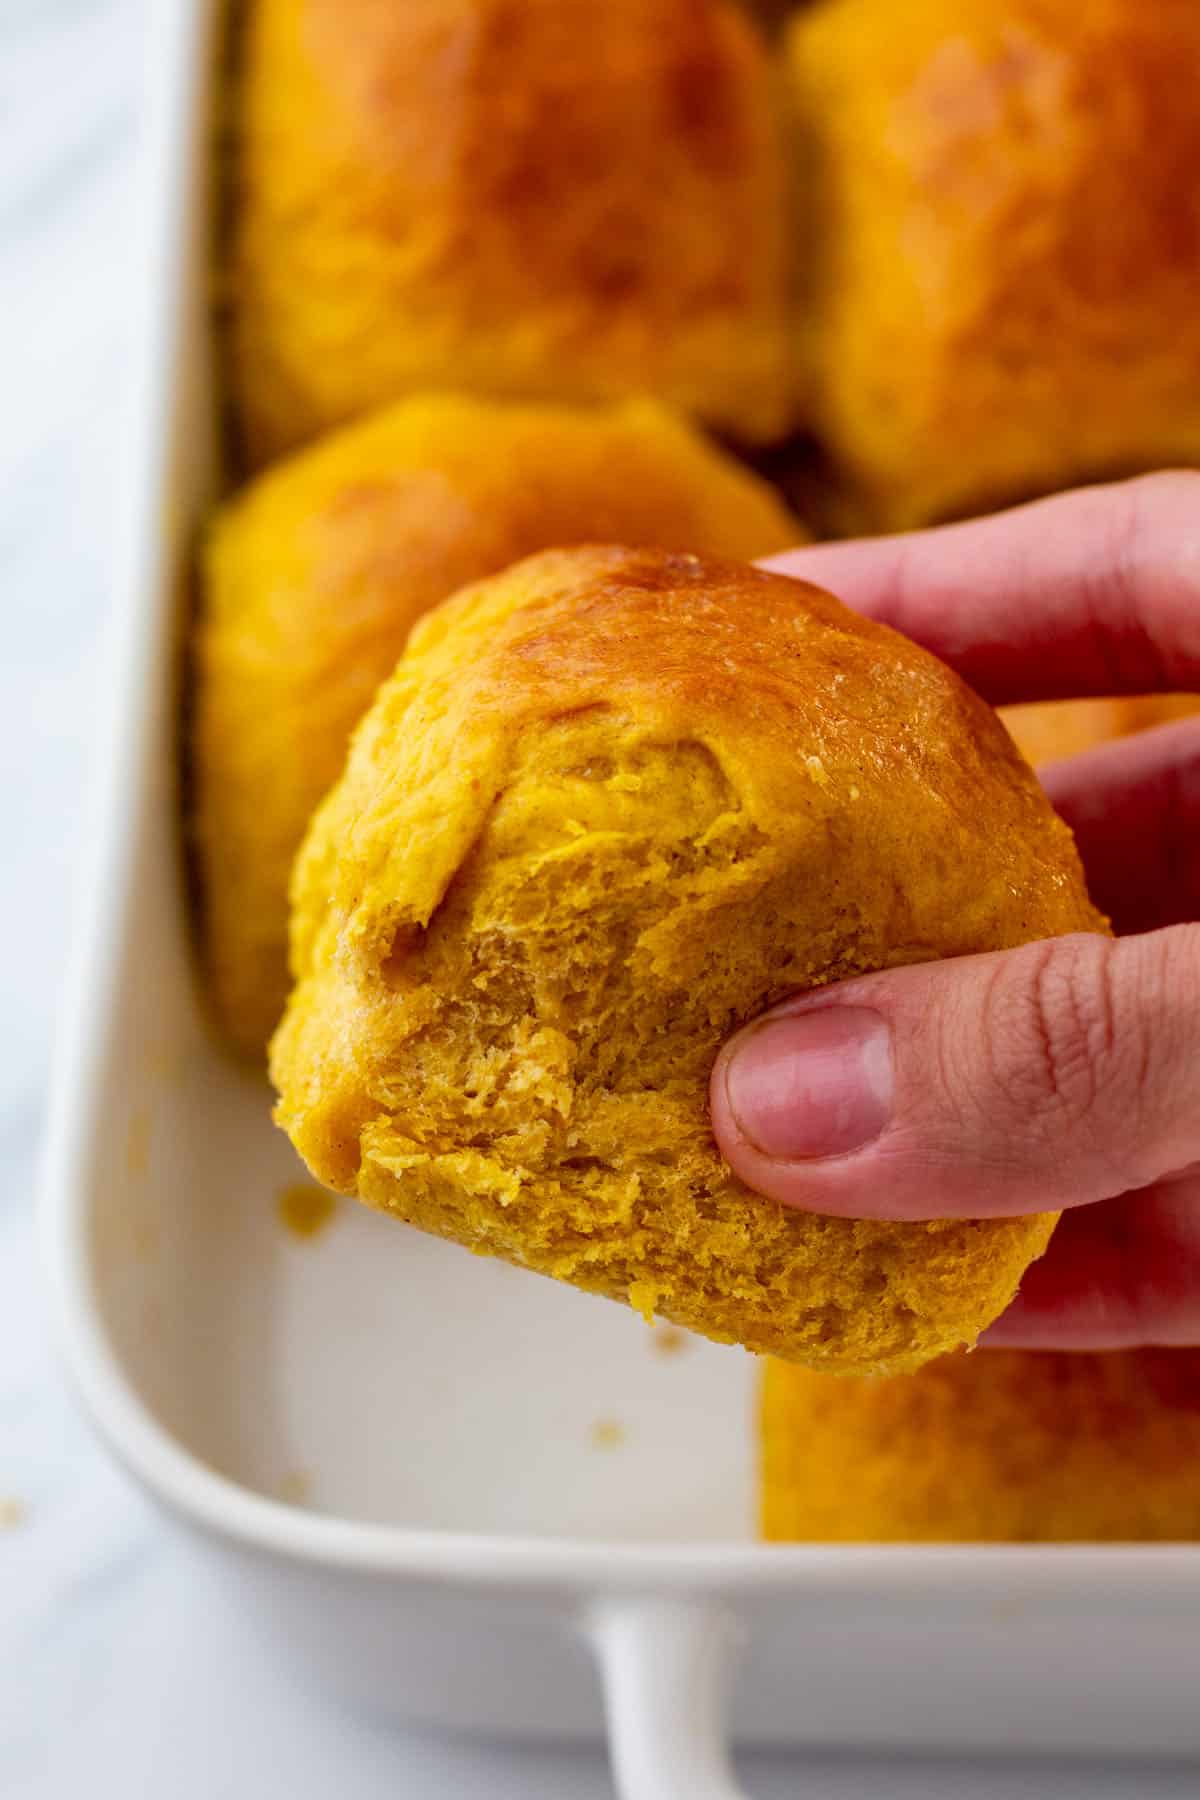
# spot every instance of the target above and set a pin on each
(121, 1672)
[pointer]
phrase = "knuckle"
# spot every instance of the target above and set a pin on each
(1056, 1038)
(1123, 645)
(1167, 975)
(1152, 529)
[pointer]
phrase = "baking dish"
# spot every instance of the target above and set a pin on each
(451, 1490)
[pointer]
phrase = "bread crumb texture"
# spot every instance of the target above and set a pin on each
(580, 839)
(1001, 1446)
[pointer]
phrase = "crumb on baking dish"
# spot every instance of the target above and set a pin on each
(607, 1434)
(12, 1513)
(295, 1487)
(668, 1340)
(306, 1209)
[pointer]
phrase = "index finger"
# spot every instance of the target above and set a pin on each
(1091, 593)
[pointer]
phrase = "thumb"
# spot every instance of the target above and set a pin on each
(1045, 1077)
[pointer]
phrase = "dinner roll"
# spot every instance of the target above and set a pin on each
(1004, 277)
(611, 805)
(533, 198)
(1005, 1445)
(317, 572)
(1050, 730)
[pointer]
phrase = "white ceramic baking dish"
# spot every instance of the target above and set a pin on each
(450, 1489)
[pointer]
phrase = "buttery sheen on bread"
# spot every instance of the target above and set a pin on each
(316, 573)
(1004, 271)
(611, 805)
(546, 199)
(1002, 1446)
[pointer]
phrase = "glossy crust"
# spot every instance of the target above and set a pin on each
(1006, 273)
(529, 198)
(611, 805)
(1002, 1446)
(316, 574)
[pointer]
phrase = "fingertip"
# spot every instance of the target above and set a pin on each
(784, 562)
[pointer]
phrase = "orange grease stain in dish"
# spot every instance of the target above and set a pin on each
(306, 1209)
(668, 1340)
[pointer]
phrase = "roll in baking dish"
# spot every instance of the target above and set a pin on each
(531, 198)
(1004, 1446)
(1004, 276)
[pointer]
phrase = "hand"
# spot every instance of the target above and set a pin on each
(1064, 1074)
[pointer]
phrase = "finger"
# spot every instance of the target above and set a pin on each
(1134, 807)
(1090, 593)
(1124, 1273)
(1049, 1076)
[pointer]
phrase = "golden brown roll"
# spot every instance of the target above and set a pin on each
(1047, 731)
(541, 199)
(317, 572)
(1005, 1445)
(1005, 273)
(611, 805)
(772, 14)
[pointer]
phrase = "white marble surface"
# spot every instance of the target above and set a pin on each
(121, 1671)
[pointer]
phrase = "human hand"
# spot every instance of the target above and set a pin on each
(1064, 1074)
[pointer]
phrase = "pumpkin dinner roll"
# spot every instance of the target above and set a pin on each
(543, 199)
(1003, 282)
(317, 572)
(1048, 730)
(611, 805)
(1003, 1446)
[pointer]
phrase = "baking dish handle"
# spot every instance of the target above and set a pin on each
(664, 1665)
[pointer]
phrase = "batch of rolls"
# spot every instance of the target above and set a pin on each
(505, 278)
